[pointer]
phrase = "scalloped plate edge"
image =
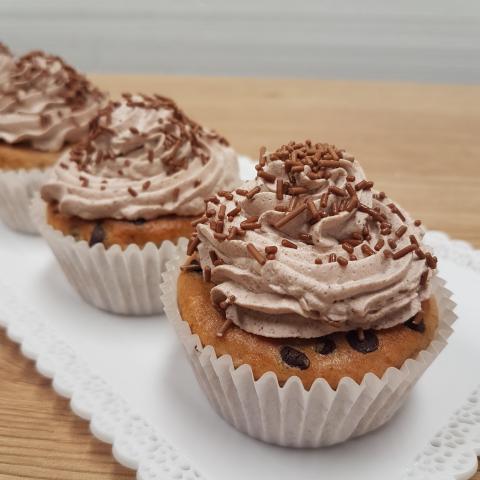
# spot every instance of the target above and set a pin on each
(137, 445)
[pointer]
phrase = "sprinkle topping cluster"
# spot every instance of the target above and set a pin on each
(44, 102)
(165, 137)
(142, 158)
(309, 207)
(40, 72)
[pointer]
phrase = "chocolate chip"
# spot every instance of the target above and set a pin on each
(294, 358)
(418, 327)
(369, 344)
(98, 235)
(139, 221)
(325, 345)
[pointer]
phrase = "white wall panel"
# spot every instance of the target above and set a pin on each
(423, 40)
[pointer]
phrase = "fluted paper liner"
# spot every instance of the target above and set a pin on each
(126, 282)
(292, 416)
(17, 188)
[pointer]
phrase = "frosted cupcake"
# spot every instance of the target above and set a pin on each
(308, 305)
(118, 204)
(44, 106)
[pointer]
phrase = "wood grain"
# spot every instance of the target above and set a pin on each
(40, 438)
(420, 143)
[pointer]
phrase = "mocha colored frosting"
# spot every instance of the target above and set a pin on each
(7, 64)
(305, 291)
(45, 103)
(144, 158)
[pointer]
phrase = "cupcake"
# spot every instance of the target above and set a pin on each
(118, 204)
(44, 106)
(308, 304)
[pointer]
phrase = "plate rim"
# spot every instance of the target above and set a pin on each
(138, 445)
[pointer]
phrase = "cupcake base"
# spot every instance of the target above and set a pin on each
(125, 282)
(20, 157)
(22, 172)
(17, 187)
(123, 233)
(289, 414)
(331, 358)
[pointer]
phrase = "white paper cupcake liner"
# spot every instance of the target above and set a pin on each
(17, 188)
(126, 282)
(290, 415)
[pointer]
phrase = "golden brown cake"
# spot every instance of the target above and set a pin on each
(331, 357)
(16, 157)
(111, 232)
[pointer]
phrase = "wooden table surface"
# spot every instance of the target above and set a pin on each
(419, 143)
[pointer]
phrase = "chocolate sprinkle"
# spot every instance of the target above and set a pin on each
(226, 325)
(367, 345)
(430, 260)
(279, 189)
(266, 176)
(253, 192)
(415, 325)
(392, 244)
(192, 245)
(294, 358)
(253, 251)
(288, 243)
(289, 216)
(379, 245)
(400, 231)
(419, 253)
(207, 272)
(366, 250)
(404, 251)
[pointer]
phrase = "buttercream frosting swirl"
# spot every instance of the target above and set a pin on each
(6, 63)
(143, 158)
(4, 50)
(309, 248)
(45, 103)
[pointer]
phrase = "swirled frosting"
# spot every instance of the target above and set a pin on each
(143, 158)
(4, 50)
(309, 248)
(6, 64)
(45, 103)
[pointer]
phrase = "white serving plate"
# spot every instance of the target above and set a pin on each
(128, 376)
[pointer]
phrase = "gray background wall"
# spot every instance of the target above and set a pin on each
(415, 40)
